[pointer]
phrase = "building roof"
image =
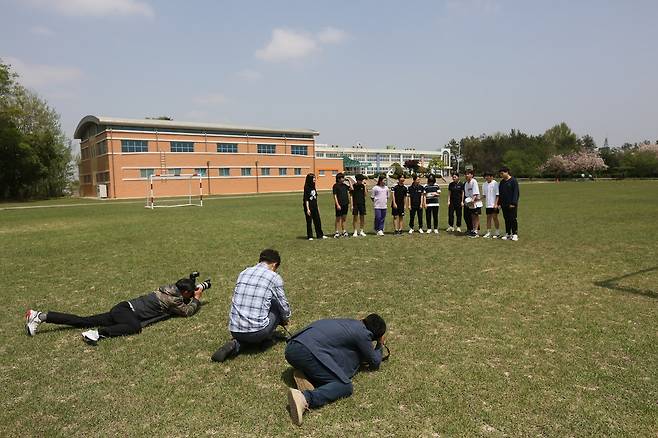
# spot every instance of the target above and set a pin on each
(364, 149)
(174, 124)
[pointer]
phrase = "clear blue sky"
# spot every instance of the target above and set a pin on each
(407, 73)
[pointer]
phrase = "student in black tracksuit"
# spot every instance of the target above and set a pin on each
(415, 194)
(455, 202)
(508, 189)
(311, 211)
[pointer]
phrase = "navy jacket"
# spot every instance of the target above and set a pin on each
(341, 345)
(508, 192)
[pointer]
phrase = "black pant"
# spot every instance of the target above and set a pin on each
(432, 212)
(454, 209)
(119, 321)
(413, 211)
(467, 219)
(511, 224)
(315, 217)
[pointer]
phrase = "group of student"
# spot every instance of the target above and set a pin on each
(325, 354)
(465, 198)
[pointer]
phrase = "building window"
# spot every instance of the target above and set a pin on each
(320, 155)
(265, 171)
(102, 177)
(266, 149)
(99, 148)
(145, 173)
(227, 148)
(334, 172)
(298, 171)
(134, 146)
(283, 171)
(245, 172)
(175, 171)
(322, 173)
(299, 150)
(182, 146)
(86, 179)
(224, 171)
(200, 171)
(84, 153)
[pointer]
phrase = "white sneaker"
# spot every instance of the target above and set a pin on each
(362, 234)
(450, 229)
(428, 231)
(310, 238)
(356, 234)
(411, 230)
(515, 237)
(436, 231)
(324, 237)
(32, 321)
(487, 236)
(506, 237)
(91, 337)
(380, 233)
(346, 234)
(459, 229)
(420, 230)
(297, 404)
(336, 235)
(496, 236)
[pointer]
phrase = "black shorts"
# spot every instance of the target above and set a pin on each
(397, 211)
(492, 210)
(477, 210)
(343, 210)
(359, 209)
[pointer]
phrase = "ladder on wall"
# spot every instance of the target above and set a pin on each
(163, 163)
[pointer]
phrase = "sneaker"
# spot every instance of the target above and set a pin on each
(336, 235)
(515, 237)
(380, 232)
(362, 234)
(411, 230)
(459, 229)
(450, 229)
(91, 337)
(420, 230)
(297, 404)
(496, 236)
(227, 350)
(506, 237)
(301, 381)
(428, 231)
(487, 236)
(436, 231)
(324, 237)
(356, 234)
(346, 234)
(32, 321)
(310, 238)
(473, 235)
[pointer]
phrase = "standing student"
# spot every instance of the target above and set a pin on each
(398, 204)
(342, 203)
(311, 211)
(415, 194)
(379, 195)
(432, 193)
(359, 204)
(490, 193)
(509, 202)
(455, 203)
(472, 204)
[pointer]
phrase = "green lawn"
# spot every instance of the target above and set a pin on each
(553, 335)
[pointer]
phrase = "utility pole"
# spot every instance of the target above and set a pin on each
(257, 188)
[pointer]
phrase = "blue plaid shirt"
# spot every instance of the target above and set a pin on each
(254, 292)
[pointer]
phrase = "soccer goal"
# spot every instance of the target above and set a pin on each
(174, 191)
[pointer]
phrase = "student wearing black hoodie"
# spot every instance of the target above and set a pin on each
(311, 211)
(508, 190)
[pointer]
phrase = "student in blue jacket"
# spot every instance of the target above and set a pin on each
(329, 352)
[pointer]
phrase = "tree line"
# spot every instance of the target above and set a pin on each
(35, 154)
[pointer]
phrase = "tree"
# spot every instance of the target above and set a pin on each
(587, 161)
(412, 165)
(396, 170)
(556, 166)
(35, 156)
(587, 143)
(435, 165)
(561, 139)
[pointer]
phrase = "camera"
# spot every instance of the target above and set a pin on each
(204, 284)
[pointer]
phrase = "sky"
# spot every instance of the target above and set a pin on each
(412, 74)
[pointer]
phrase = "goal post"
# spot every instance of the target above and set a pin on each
(174, 191)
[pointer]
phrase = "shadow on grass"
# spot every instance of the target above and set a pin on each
(613, 284)
(286, 377)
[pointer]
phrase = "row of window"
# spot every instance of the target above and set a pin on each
(188, 146)
(375, 157)
(94, 130)
(226, 171)
(101, 178)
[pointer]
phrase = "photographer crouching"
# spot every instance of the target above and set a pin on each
(129, 317)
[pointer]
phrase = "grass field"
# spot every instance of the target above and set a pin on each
(554, 335)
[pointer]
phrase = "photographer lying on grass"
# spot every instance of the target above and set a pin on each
(129, 317)
(326, 355)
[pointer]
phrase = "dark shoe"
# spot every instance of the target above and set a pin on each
(227, 350)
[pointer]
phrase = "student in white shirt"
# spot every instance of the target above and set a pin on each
(491, 197)
(472, 205)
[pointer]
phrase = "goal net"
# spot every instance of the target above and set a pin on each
(174, 191)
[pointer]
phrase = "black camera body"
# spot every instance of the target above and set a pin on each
(204, 284)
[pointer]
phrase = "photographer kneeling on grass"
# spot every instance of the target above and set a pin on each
(129, 317)
(326, 355)
(258, 307)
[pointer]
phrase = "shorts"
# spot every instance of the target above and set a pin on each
(477, 210)
(359, 209)
(397, 211)
(492, 210)
(343, 210)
